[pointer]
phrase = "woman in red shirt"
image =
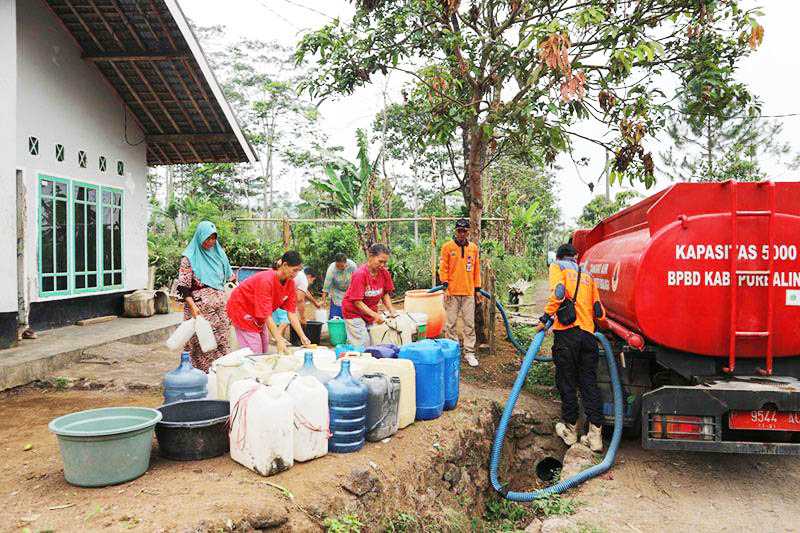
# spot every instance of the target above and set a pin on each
(370, 284)
(251, 304)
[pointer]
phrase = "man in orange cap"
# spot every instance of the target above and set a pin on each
(460, 274)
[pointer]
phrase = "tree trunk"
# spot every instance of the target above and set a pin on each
(475, 159)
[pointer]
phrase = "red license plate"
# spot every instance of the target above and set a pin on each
(764, 420)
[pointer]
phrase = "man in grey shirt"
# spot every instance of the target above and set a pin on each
(337, 280)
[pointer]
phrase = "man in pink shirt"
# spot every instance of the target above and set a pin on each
(370, 284)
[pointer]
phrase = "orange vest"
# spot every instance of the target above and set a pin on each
(460, 267)
(563, 281)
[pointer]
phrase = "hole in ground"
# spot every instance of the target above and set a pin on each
(548, 469)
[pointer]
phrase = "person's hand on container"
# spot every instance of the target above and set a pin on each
(305, 341)
(280, 345)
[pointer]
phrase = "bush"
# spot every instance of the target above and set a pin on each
(410, 267)
(318, 245)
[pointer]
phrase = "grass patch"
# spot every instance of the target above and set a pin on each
(347, 523)
(555, 505)
(401, 523)
(61, 383)
(504, 515)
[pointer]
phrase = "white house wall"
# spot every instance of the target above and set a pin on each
(62, 99)
(8, 91)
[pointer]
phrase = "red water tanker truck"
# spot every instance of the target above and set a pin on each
(701, 282)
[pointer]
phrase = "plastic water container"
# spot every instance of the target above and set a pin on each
(230, 368)
(347, 401)
(397, 330)
(185, 382)
(321, 356)
(337, 331)
(403, 369)
(310, 399)
(308, 369)
(429, 367)
(341, 349)
(430, 303)
(261, 427)
(212, 384)
(359, 365)
(383, 403)
(380, 352)
(451, 351)
(266, 365)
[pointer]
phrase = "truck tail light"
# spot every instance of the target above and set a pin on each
(681, 427)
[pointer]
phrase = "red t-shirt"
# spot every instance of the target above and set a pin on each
(370, 289)
(257, 297)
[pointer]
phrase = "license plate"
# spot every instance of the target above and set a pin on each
(764, 420)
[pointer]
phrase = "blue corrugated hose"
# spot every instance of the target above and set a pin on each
(527, 362)
(509, 334)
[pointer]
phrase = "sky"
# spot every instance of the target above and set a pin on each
(771, 73)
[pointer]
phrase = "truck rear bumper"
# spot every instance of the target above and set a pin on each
(713, 401)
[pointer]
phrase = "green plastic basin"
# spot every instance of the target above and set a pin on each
(106, 446)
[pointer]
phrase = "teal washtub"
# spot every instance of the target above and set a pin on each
(106, 446)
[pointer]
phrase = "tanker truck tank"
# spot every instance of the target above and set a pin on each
(701, 283)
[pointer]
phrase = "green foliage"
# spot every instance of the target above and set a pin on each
(505, 515)
(243, 246)
(318, 245)
(347, 523)
(485, 71)
(508, 267)
(599, 208)
(410, 267)
(401, 523)
(343, 193)
(555, 505)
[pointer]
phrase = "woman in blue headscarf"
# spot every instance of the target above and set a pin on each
(203, 272)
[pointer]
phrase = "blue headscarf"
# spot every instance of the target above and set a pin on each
(211, 266)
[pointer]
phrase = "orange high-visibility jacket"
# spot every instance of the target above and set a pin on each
(588, 308)
(460, 267)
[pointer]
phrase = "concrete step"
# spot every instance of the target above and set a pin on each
(54, 349)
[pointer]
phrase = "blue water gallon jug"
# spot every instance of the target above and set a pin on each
(429, 369)
(185, 382)
(451, 351)
(308, 369)
(347, 404)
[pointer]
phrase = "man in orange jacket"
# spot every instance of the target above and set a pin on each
(460, 273)
(575, 352)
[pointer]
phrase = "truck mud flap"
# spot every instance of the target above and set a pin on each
(709, 405)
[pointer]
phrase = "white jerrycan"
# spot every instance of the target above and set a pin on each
(261, 427)
(311, 416)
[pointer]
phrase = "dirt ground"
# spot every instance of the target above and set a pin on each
(435, 465)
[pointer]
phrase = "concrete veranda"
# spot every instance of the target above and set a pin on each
(33, 359)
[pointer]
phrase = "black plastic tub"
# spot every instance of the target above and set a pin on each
(313, 331)
(193, 429)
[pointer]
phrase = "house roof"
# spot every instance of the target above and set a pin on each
(150, 56)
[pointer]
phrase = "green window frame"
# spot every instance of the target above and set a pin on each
(112, 237)
(86, 244)
(54, 235)
(80, 237)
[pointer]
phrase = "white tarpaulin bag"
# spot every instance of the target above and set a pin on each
(205, 335)
(181, 335)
